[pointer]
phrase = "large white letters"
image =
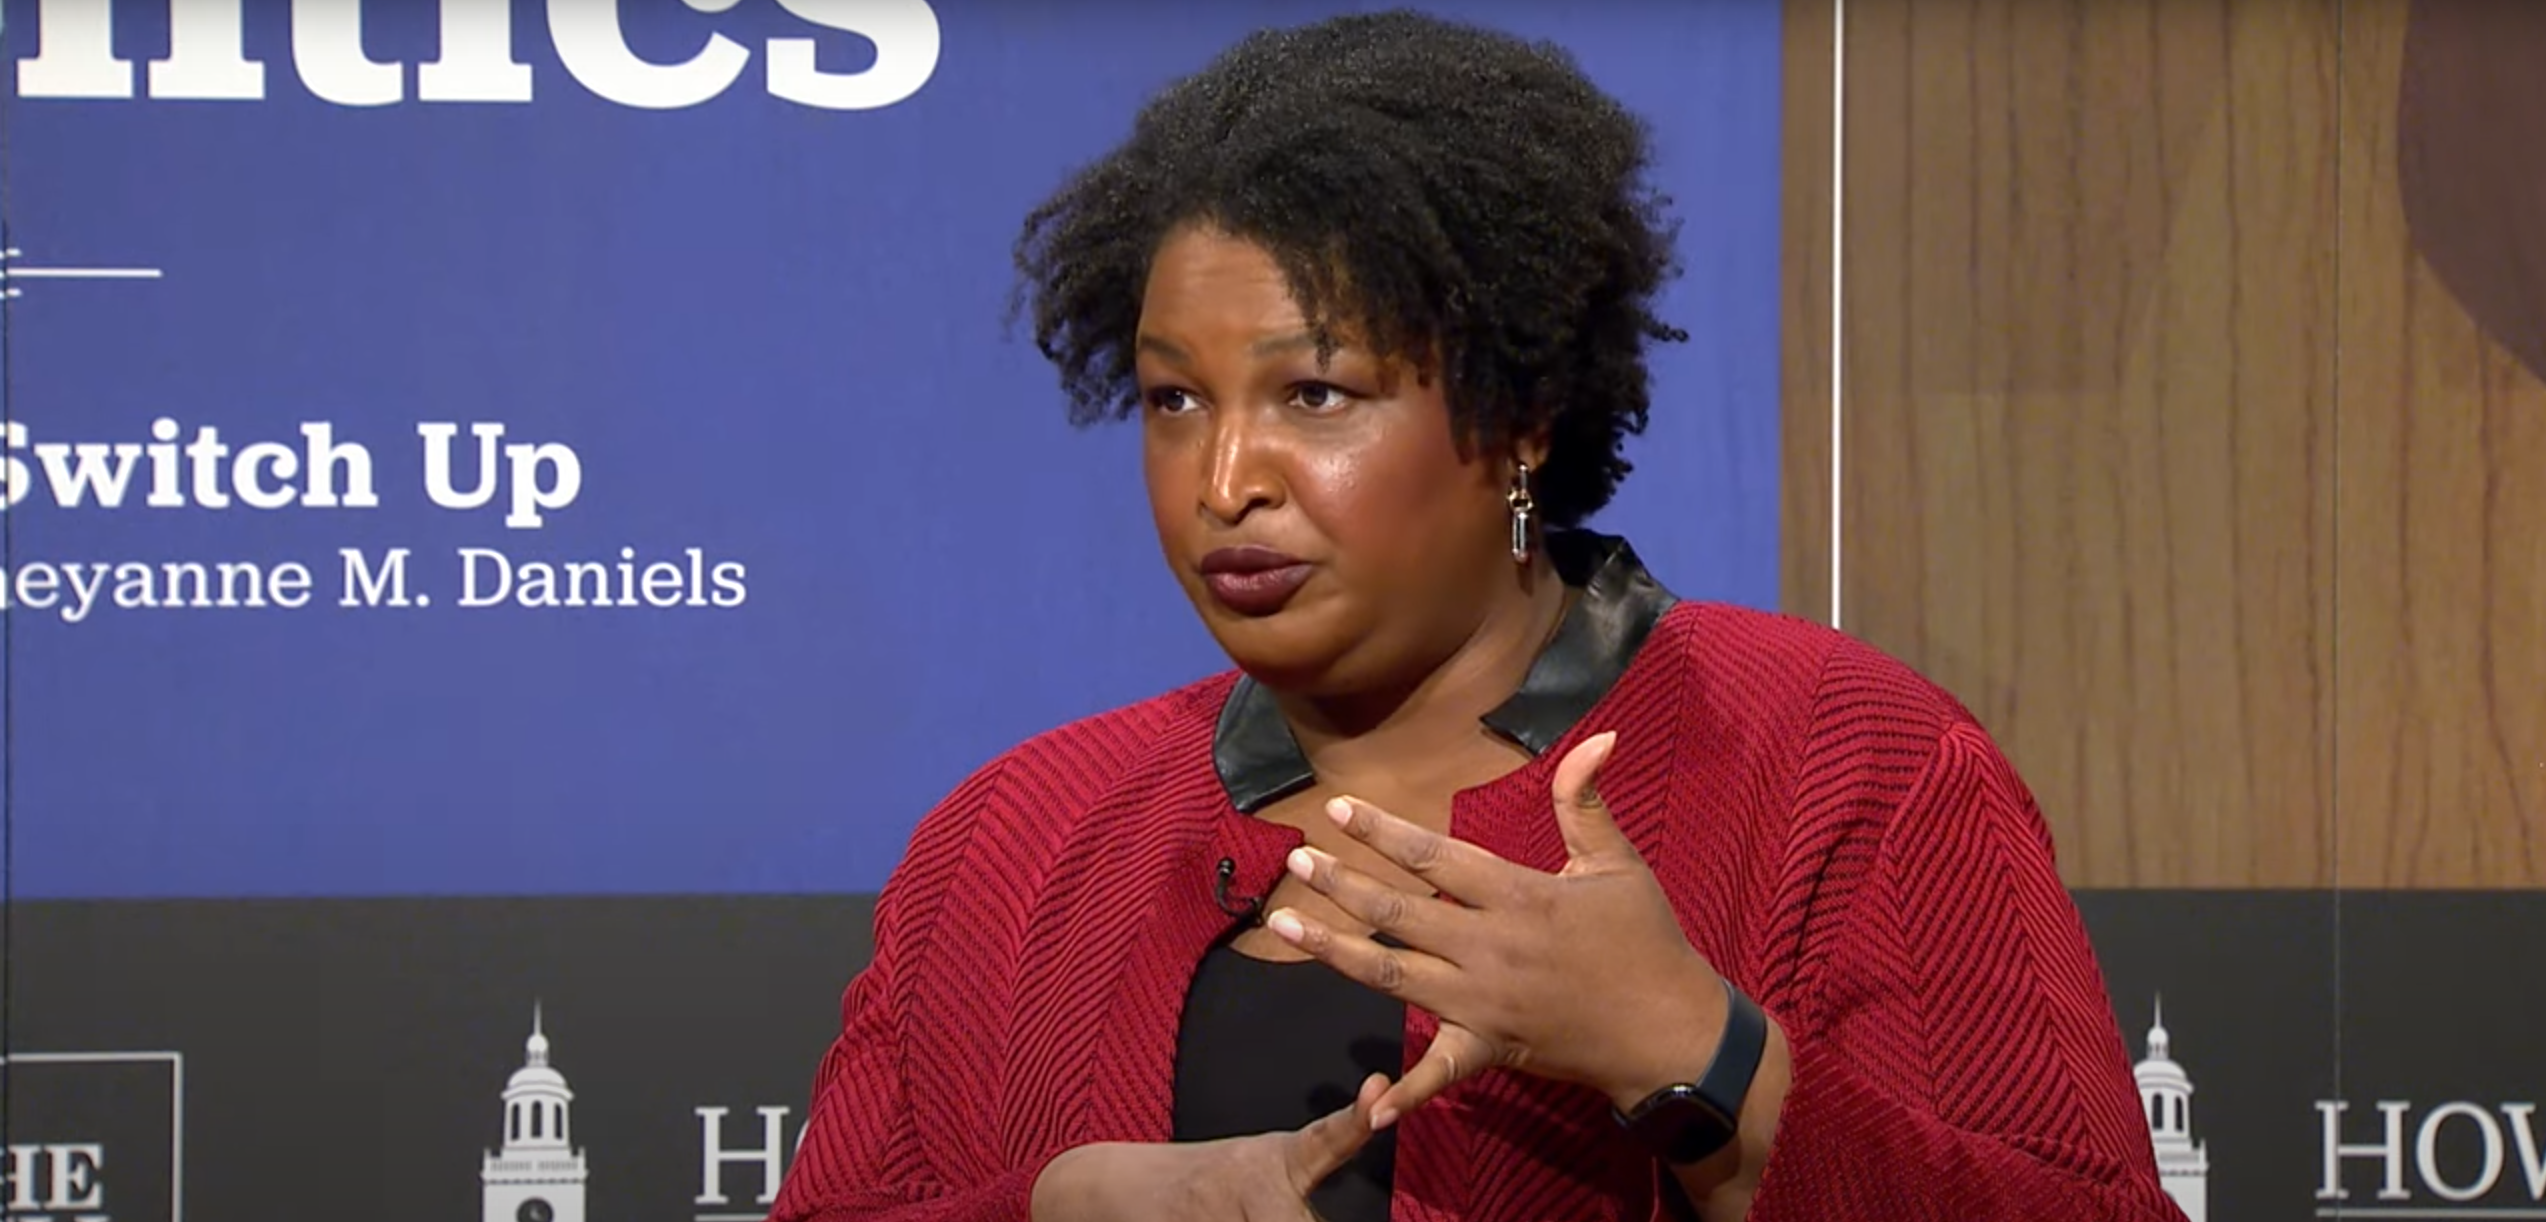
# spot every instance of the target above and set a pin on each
(207, 56)
(327, 51)
(477, 63)
(906, 43)
(75, 53)
(595, 52)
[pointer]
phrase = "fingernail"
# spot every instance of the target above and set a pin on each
(1605, 742)
(1382, 1117)
(1285, 924)
(1339, 810)
(1301, 864)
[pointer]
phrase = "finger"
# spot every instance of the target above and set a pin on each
(1414, 977)
(1420, 921)
(1581, 816)
(1325, 1144)
(1454, 867)
(1456, 1055)
(1373, 1089)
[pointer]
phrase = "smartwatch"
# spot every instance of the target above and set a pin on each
(1687, 1122)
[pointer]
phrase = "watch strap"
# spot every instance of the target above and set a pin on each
(1688, 1122)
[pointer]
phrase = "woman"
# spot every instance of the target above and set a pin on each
(1353, 930)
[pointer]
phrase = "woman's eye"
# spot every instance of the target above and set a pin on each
(1169, 401)
(1318, 397)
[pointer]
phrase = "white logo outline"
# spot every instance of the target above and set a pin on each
(2165, 1102)
(538, 1175)
(176, 1063)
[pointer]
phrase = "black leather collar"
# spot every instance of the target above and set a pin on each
(1259, 761)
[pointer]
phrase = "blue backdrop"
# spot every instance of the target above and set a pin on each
(767, 330)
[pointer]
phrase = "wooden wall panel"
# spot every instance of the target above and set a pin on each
(2088, 347)
(2165, 446)
(2441, 576)
(1804, 338)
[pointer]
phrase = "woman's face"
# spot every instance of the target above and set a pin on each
(1320, 516)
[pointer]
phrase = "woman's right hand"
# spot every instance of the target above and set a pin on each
(1264, 1178)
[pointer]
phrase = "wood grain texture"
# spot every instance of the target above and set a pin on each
(2089, 359)
(2441, 574)
(1804, 331)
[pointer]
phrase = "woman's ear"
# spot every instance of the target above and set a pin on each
(1531, 448)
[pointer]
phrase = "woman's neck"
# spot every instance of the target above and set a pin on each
(1438, 712)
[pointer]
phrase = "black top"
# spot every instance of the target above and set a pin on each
(1270, 1046)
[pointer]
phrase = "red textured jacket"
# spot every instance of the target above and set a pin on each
(1837, 835)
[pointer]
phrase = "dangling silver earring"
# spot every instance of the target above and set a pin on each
(1524, 510)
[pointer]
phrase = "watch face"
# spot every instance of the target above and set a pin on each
(535, 1210)
(1682, 1126)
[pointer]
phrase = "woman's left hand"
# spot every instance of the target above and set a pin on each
(1582, 976)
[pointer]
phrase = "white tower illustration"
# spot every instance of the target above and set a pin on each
(2165, 1094)
(538, 1176)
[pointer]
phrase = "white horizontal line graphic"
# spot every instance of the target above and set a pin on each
(83, 273)
(10, 270)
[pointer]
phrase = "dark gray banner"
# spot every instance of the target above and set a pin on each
(352, 1058)
(2362, 1055)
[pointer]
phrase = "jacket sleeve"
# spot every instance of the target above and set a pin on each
(1958, 1057)
(862, 1155)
